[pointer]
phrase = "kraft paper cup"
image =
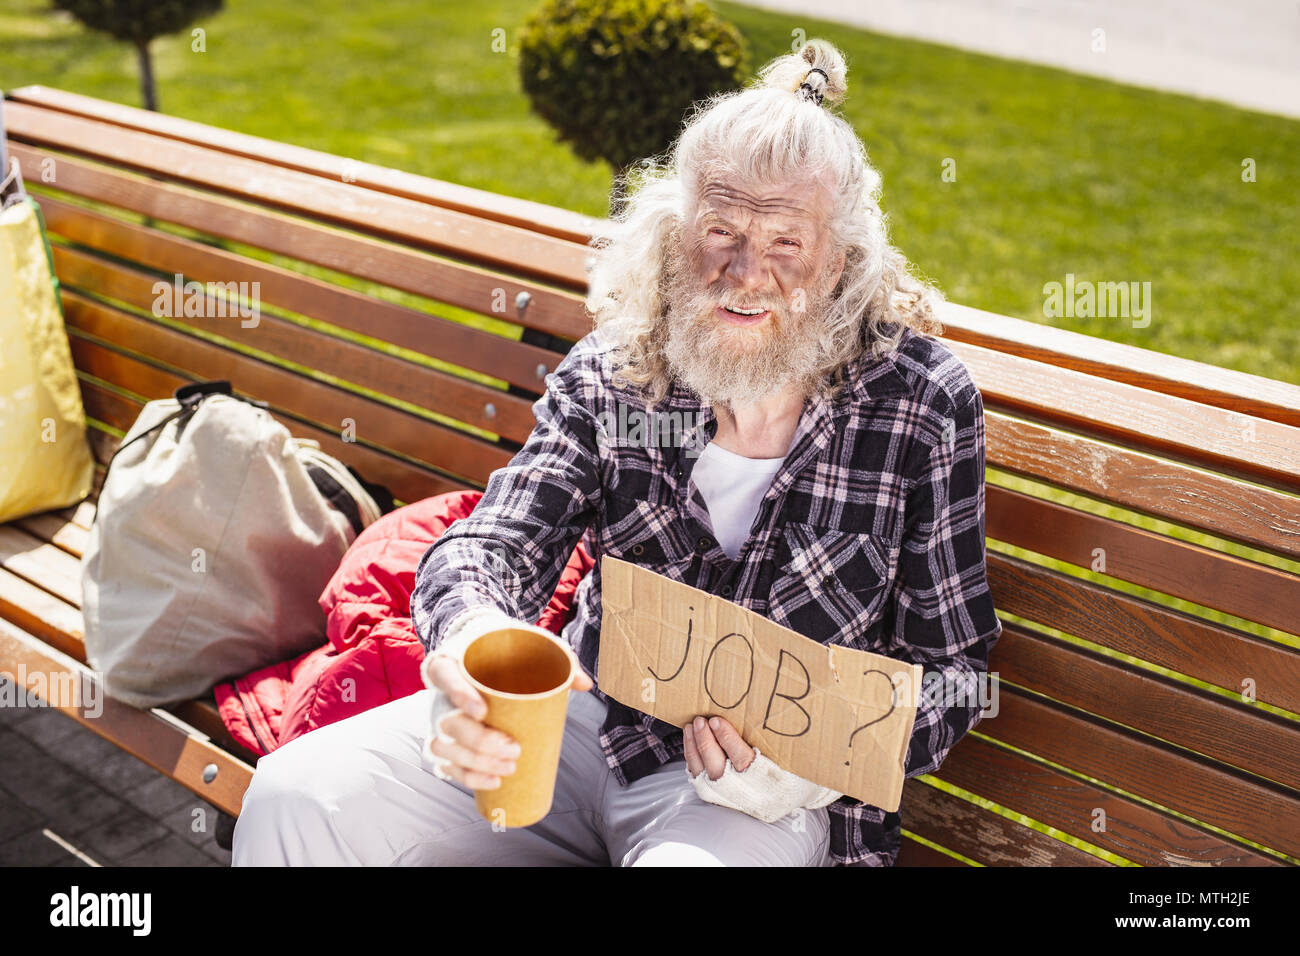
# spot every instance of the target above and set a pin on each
(524, 675)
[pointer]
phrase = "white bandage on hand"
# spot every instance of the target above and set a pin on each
(464, 628)
(763, 790)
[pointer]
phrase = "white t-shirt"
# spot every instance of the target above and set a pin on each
(733, 487)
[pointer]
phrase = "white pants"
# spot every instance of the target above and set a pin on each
(361, 792)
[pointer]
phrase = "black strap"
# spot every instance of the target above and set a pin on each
(338, 496)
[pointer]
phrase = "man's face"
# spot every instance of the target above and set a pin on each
(747, 247)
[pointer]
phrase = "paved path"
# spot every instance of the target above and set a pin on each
(1244, 52)
(70, 798)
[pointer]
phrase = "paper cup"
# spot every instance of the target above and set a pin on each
(524, 674)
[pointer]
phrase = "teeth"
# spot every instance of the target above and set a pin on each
(744, 311)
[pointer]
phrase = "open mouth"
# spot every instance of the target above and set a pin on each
(742, 316)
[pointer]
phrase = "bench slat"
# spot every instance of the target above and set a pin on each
(1180, 642)
(453, 342)
(1196, 381)
(51, 527)
(1204, 790)
(1252, 515)
(160, 740)
(1235, 734)
(203, 716)
(535, 216)
(914, 853)
(285, 390)
(1129, 829)
(433, 227)
(40, 563)
(1221, 581)
(553, 311)
(394, 377)
(982, 835)
(1203, 435)
(407, 482)
(37, 611)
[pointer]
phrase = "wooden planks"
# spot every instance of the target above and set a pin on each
(1202, 789)
(1259, 517)
(477, 405)
(1196, 381)
(433, 227)
(1221, 581)
(1189, 645)
(151, 735)
(452, 342)
(1106, 820)
(982, 836)
(408, 482)
(1230, 732)
(373, 421)
(534, 216)
(1203, 435)
(553, 311)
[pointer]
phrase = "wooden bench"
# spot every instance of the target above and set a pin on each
(1125, 731)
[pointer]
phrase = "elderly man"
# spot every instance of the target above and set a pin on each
(828, 474)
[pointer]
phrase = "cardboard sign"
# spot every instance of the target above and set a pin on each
(839, 717)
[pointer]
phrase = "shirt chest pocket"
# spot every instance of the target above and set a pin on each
(831, 585)
(651, 534)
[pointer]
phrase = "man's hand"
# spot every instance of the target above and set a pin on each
(467, 750)
(766, 792)
(475, 754)
(709, 742)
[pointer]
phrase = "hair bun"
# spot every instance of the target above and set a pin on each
(816, 71)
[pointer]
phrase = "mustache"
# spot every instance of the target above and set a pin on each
(701, 301)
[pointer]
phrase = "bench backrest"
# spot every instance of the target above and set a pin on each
(1142, 510)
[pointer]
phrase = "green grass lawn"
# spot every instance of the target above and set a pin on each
(1056, 173)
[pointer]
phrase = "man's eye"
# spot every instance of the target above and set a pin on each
(789, 242)
(720, 231)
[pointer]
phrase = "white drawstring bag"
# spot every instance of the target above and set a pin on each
(215, 533)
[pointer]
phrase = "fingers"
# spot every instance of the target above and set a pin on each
(733, 745)
(479, 756)
(711, 754)
(485, 768)
(581, 681)
(694, 763)
(708, 744)
(446, 675)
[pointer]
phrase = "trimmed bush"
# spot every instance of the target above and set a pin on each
(615, 77)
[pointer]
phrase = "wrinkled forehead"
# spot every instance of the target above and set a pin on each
(788, 204)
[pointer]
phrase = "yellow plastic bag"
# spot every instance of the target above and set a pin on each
(45, 460)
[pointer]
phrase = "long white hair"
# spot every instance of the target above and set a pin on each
(766, 133)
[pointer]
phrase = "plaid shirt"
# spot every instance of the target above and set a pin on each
(871, 536)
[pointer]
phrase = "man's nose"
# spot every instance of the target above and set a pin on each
(745, 270)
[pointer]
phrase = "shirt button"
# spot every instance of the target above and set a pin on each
(725, 590)
(638, 550)
(828, 582)
(704, 544)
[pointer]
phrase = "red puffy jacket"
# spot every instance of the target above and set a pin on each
(373, 654)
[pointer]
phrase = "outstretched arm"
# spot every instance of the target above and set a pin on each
(507, 556)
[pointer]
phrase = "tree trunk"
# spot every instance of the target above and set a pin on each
(147, 91)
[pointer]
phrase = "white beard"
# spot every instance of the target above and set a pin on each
(738, 365)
